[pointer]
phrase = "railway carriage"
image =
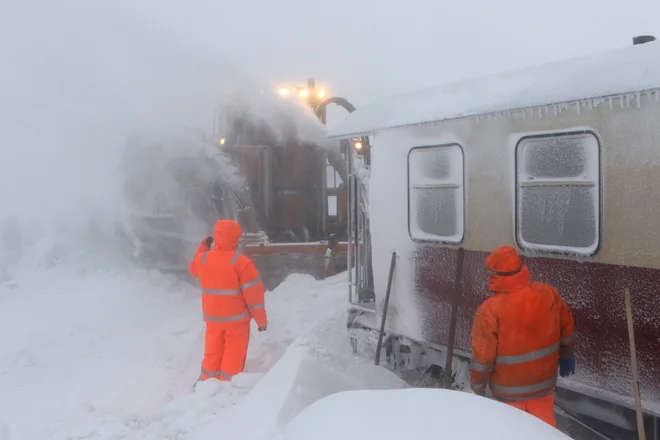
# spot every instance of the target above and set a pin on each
(561, 160)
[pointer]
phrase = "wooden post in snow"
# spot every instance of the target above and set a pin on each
(454, 317)
(385, 306)
(641, 433)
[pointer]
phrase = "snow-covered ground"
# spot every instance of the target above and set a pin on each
(113, 354)
(415, 414)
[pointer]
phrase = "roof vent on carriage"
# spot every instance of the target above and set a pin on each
(641, 39)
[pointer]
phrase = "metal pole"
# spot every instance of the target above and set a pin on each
(349, 253)
(343, 102)
(324, 198)
(356, 233)
(385, 306)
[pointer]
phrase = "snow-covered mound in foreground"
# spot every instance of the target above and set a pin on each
(415, 414)
(113, 354)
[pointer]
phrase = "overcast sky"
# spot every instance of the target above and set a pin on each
(366, 49)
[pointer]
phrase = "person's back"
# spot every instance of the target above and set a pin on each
(518, 337)
(232, 294)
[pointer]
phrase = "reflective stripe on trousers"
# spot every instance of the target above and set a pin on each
(522, 399)
(216, 374)
(525, 389)
(478, 388)
(227, 318)
(478, 366)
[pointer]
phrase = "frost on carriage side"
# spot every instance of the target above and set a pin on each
(557, 204)
(436, 194)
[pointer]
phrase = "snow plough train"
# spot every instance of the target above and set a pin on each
(274, 172)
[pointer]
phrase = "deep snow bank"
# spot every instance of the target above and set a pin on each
(108, 354)
(304, 375)
(80, 347)
(415, 413)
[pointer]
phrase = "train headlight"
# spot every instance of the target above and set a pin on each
(284, 92)
(304, 93)
(222, 141)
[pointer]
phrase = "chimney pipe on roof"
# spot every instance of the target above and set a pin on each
(641, 39)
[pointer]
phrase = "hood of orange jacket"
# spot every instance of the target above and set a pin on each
(226, 235)
(509, 283)
(508, 274)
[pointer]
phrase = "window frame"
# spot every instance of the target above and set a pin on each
(549, 249)
(337, 181)
(440, 240)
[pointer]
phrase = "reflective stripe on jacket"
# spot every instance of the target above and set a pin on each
(518, 335)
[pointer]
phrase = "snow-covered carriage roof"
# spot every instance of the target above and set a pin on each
(628, 70)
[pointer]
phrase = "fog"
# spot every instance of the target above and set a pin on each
(78, 78)
(78, 81)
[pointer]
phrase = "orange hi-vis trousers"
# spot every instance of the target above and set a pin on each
(542, 407)
(225, 349)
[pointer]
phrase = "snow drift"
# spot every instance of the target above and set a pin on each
(114, 353)
(304, 375)
(415, 413)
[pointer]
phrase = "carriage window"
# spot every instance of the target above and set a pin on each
(558, 193)
(332, 177)
(435, 194)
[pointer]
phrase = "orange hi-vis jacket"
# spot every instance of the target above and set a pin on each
(519, 334)
(232, 290)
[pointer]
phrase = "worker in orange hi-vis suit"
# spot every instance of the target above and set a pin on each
(520, 335)
(232, 294)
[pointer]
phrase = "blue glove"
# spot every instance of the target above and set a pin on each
(566, 367)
